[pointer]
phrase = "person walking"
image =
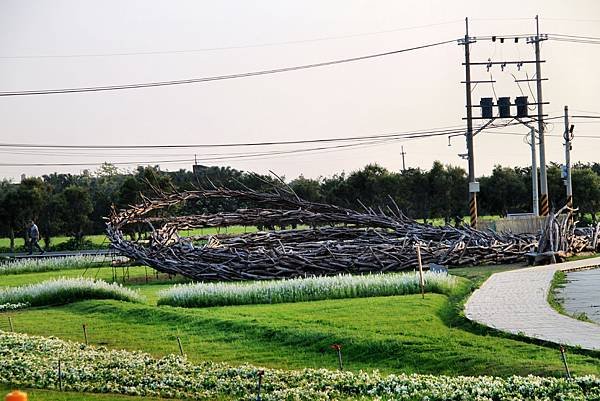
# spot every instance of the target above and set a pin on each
(34, 236)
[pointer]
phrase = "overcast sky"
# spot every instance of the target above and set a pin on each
(47, 44)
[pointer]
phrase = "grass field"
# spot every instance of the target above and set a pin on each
(392, 334)
(97, 240)
(100, 240)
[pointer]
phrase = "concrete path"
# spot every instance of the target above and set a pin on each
(516, 302)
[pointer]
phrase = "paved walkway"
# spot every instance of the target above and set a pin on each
(516, 302)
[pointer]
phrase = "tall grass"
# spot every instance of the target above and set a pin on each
(51, 264)
(62, 291)
(303, 289)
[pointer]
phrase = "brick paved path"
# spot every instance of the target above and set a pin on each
(516, 302)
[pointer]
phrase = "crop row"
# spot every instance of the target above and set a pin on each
(303, 289)
(66, 290)
(51, 264)
(33, 362)
(11, 307)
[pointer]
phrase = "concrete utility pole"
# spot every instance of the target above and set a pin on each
(473, 189)
(568, 136)
(534, 176)
(403, 161)
(545, 207)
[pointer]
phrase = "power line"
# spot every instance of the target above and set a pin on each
(501, 19)
(571, 19)
(93, 163)
(594, 40)
(218, 77)
(589, 42)
(379, 139)
(273, 152)
(587, 111)
(251, 156)
(574, 36)
(209, 49)
(269, 155)
(407, 134)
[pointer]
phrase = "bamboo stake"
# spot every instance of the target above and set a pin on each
(180, 346)
(85, 334)
(421, 278)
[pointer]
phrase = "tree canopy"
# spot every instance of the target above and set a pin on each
(74, 205)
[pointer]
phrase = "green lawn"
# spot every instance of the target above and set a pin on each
(97, 240)
(478, 274)
(392, 334)
(100, 240)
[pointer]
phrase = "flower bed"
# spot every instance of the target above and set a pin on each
(10, 307)
(51, 264)
(303, 289)
(33, 362)
(66, 290)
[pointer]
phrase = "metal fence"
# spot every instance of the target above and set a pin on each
(517, 224)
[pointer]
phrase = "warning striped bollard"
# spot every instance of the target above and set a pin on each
(544, 207)
(473, 210)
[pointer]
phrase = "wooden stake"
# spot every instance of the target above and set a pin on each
(12, 329)
(338, 349)
(85, 334)
(59, 376)
(180, 347)
(421, 279)
(564, 359)
(260, 376)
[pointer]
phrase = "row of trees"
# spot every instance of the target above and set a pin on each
(441, 192)
(74, 205)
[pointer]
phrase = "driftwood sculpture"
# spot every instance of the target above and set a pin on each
(338, 240)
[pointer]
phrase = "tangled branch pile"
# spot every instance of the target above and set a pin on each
(338, 240)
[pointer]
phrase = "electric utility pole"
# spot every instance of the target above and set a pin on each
(403, 161)
(473, 187)
(503, 106)
(545, 208)
(534, 176)
(568, 136)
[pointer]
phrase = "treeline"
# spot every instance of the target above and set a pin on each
(74, 205)
(442, 191)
